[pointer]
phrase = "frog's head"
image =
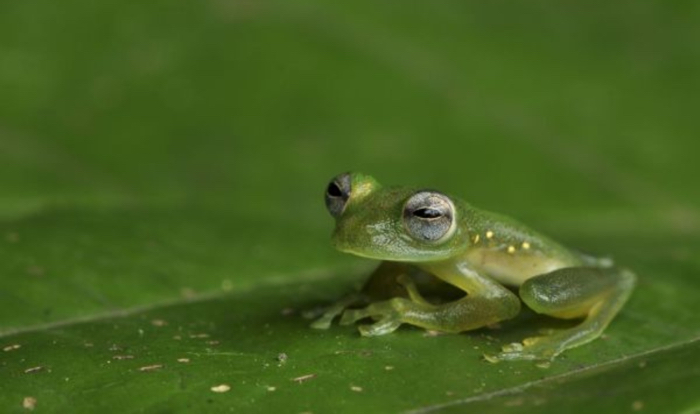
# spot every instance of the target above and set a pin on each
(394, 223)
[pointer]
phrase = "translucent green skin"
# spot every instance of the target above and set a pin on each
(483, 252)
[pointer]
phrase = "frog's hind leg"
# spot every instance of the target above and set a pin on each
(593, 293)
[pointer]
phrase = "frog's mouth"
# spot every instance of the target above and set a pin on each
(353, 246)
(359, 253)
(343, 246)
(385, 249)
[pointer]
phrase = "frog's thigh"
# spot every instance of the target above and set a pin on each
(577, 292)
(383, 283)
(596, 294)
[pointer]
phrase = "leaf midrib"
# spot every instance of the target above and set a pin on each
(568, 376)
(316, 275)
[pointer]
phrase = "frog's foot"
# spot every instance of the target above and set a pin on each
(324, 322)
(387, 315)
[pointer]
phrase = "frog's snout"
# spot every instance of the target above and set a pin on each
(339, 239)
(348, 237)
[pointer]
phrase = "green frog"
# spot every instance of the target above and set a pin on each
(478, 268)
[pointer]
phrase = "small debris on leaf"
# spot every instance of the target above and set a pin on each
(29, 403)
(270, 388)
(199, 335)
(11, 347)
(183, 360)
(356, 388)
(282, 357)
(120, 357)
(304, 378)
(221, 388)
(361, 352)
(388, 367)
(148, 368)
(33, 370)
(226, 285)
(158, 322)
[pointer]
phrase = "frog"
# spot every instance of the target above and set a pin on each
(448, 266)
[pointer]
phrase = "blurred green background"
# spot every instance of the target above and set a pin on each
(154, 153)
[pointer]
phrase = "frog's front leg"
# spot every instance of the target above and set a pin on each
(487, 302)
(593, 293)
(389, 280)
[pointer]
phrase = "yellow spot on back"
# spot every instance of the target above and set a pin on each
(511, 249)
(489, 234)
(526, 245)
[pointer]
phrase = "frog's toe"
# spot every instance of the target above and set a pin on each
(525, 355)
(531, 349)
(382, 327)
(532, 341)
(547, 331)
(324, 322)
(515, 356)
(351, 316)
(326, 319)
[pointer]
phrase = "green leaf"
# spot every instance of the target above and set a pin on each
(161, 224)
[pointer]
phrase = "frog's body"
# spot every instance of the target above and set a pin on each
(509, 252)
(475, 251)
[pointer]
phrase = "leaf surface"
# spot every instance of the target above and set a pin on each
(162, 230)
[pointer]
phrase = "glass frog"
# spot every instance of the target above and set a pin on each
(430, 242)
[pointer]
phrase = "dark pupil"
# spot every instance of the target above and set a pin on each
(334, 190)
(427, 213)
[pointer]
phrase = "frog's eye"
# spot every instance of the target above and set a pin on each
(337, 194)
(429, 216)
